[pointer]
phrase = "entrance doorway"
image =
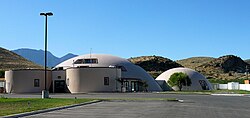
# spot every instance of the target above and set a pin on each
(127, 85)
(135, 86)
(132, 84)
(59, 86)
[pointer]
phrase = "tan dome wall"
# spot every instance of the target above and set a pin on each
(22, 81)
(84, 80)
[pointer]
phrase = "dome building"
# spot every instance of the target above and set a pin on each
(198, 81)
(101, 72)
(83, 74)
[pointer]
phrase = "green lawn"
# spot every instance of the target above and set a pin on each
(19, 105)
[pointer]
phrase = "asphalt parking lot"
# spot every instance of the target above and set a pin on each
(193, 106)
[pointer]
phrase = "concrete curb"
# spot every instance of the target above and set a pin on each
(230, 94)
(49, 110)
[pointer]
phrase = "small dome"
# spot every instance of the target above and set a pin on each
(199, 82)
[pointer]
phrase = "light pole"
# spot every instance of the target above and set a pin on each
(45, 93)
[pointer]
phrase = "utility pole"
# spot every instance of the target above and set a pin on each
(247, 71)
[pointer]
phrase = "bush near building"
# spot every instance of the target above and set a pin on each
(179, 79)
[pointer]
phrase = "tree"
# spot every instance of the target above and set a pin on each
(179, 79)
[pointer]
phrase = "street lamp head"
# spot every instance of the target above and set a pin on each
(42, 14)
(49, 14)
(46, 14)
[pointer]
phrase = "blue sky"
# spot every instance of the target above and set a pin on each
(175, 29)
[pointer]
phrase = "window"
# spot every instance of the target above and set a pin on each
(106, 80)
(36, 82)
(67, 81)
(59, 77)
(86, 61)
(78, 61)
(90, 61)
(203, 84)
(1, 84)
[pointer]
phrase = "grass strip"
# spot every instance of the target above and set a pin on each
(10, 106)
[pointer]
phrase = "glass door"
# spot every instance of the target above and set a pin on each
(59, 86)
(133, 86)
(127, 85)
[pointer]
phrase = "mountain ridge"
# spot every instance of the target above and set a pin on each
(225, 67)
(193, 62)
(37, 56)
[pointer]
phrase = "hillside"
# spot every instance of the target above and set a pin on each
(247, 61)
(154, 63)
(225, 67)
(194, 62)
(10, 60)
(37, 56)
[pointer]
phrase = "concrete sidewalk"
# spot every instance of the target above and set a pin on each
(231, 94)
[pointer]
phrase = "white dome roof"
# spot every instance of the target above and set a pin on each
(104, 60)
(196, 77)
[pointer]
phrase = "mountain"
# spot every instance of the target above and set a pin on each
(10, 60)
(228, 63)
(66, 57)
(225, 67)
(154, 65)
(194, 62)
(37, 56)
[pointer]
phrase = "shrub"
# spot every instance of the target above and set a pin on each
(179, 79)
